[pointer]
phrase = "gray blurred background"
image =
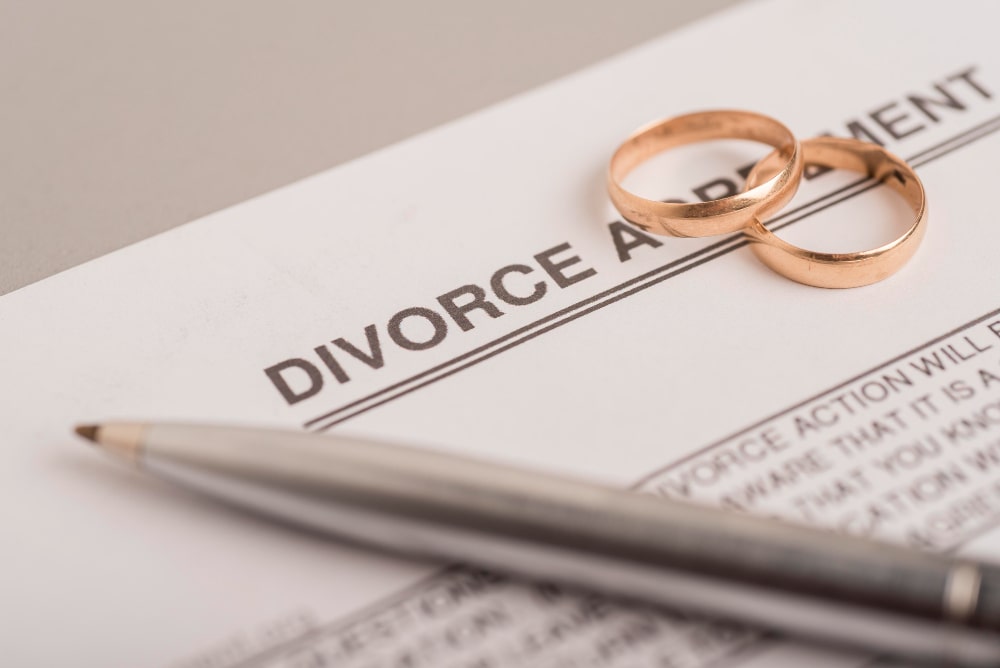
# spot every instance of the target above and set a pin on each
(123, 118)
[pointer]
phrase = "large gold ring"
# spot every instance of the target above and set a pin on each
(842, 270)
(720, 216)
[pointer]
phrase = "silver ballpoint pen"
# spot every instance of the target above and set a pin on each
(419, 502)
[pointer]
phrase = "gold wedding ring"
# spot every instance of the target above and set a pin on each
(841, 270)
(721, 216)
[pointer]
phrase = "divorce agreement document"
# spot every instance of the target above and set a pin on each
(472, 290)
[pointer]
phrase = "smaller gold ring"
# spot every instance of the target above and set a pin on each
(720, 216)
(843, 270)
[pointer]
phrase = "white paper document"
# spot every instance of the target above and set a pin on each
(473, 290)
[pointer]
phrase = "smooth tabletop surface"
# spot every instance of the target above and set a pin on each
(124, 119)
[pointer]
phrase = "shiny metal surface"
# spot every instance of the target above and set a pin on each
(722, 216)
(842, 270)
(439, 506)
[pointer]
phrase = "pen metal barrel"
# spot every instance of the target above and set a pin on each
(429, 504)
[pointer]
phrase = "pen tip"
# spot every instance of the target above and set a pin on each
(122, 439)
(88, 431)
